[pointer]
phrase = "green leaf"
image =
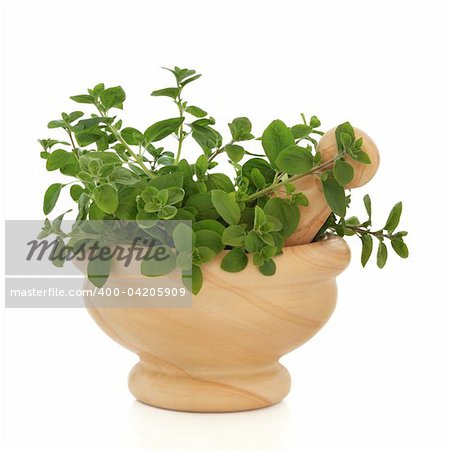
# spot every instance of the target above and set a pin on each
(196, 111)
(206, 137)
(335, 196)
(210, 239)
(260, 218)
(168, 180)
(368, 205)
(51, 197)
(314, 122)
(182, 238)
(257, 178)
(201, 165)
(190, 80)
(57, 159)
(235, 260)
(203, 205)
(276, 137)
(56, 124)
(107, 198)
(75, 192)
(300, 131)
(268, 268)
(343, 172)
(341, 130)
(234, 236)
(120, 175)
(171, 92)
(113, 97)
(235, 152)
(226, 206)
(367, 245)
(381, 255)
(98, 271)
(240, 129)
(162, 129)
(209, 224)
(260, 164)
(197, 280)
(83, 99)
(400, 248)
(295, 160)
(394, 218)
(219, 181)
(361, 157)
(132, 136)
(287, 214)
(160, 260)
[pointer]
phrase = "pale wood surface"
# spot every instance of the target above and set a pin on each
(222, 354)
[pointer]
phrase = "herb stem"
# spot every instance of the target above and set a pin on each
(119, 137)
(180, 132)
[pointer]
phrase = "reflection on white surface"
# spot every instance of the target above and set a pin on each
(153, 428)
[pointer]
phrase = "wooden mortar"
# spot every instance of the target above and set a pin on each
(222, 354)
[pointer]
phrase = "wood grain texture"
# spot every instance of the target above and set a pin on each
(222, 353)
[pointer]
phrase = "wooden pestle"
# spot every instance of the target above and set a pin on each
(313, 216)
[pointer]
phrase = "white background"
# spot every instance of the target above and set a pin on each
(377, 376)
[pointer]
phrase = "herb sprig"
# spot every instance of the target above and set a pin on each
(124, 174)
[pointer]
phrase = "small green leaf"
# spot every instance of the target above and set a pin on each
(51, 197)
(182, 238)
(268, 268)
(212, 225)
(235, 260)
(394, 218)
(287, 214)
(314, 122)
(196, 111)
(234, 152)
(197, 279)
(162, 129)
(300, 131)
(276, 137)
(83, 99)
(160, 260)
(57, 159)
(258, 178)
(234, 236)
(335, 196)
(75, 192)
(344, 128)
(361, 157)
(226, 206)
(260, 218)
(368, 205)
(240, 129)
(400, 248)
(210, 239)
(113, 97)
(171, 92)
(294, 160)
(98, 271)
(381, 255)
(56, 124)
(132, 136)
(107, 198)
(367, 245)
(343, 172)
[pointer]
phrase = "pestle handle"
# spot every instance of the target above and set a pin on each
(313, 216)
